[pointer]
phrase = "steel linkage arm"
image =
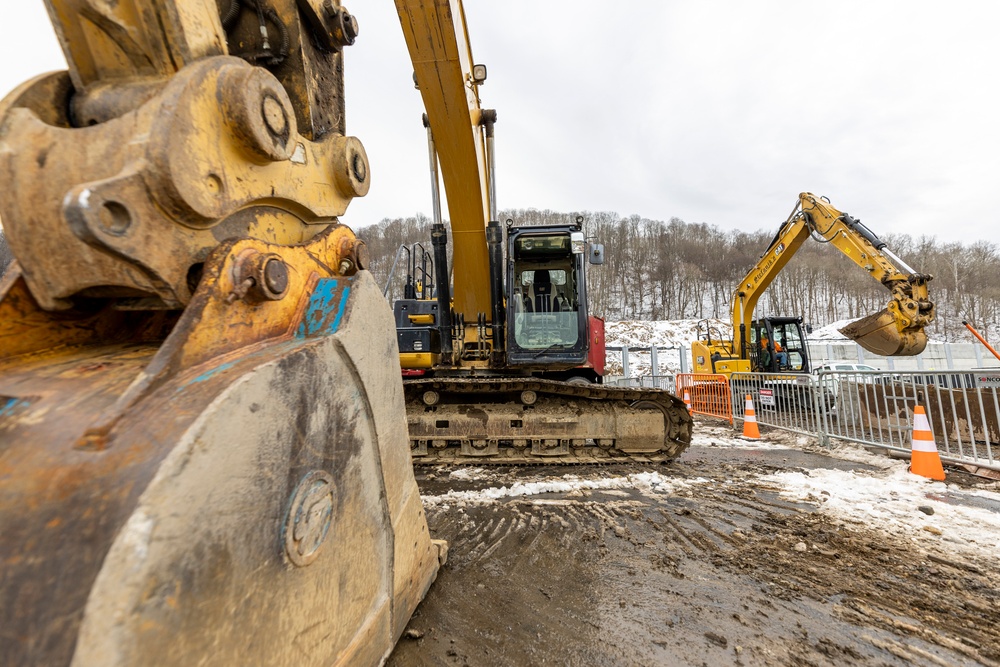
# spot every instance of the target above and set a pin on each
(125, 172)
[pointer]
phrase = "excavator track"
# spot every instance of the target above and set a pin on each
(518, 421)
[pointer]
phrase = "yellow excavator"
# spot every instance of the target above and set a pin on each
(203, 447)
(505, 364)
(778, 344)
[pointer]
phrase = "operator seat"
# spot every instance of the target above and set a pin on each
(542, 287)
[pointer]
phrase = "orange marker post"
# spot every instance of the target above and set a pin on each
(924, 458)
(750, 429)
(687, 400)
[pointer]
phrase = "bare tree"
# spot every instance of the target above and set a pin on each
(678, 270)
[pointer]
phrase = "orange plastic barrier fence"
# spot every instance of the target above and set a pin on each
(708, 394)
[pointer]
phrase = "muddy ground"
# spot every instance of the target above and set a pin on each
(721, 572)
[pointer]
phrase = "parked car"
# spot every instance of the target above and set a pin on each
(843, 366)
(845, 372)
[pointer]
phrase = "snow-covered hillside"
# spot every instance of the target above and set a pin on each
(664, 333)
(640, 335)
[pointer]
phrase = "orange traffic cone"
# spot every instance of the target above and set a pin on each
(750, 428)
(924, 458)
(687, 400)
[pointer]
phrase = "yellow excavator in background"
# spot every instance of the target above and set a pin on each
(506, 367)
(778, 344)
(203, 448)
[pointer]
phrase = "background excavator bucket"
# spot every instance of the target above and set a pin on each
(879, 334)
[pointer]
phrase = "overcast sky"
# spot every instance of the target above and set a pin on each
(717, 112)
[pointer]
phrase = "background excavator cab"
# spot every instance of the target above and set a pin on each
(777, 344)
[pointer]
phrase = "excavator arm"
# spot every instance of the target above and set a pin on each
(898, 330)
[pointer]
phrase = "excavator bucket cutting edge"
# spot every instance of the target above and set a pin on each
(879, 334)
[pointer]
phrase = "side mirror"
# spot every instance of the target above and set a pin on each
(597, 253)
(809, 328)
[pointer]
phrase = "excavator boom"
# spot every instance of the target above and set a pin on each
(438, 42)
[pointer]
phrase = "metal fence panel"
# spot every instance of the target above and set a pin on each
(876, 408)
(782, 400)
(869, 407)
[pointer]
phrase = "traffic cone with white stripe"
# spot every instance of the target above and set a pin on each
(687, 400)
(750, 429)
(924, 458)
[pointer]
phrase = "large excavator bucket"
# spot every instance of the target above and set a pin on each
(879, 333)
(239, 492)
(203, 446)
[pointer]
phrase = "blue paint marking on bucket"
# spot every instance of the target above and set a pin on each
(322, 317)
(209, 373)
(8, 405)
(325, 309)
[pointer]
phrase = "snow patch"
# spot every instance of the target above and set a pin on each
(650, 483)
(830, 332)
(467, 474)
(728, 438)
(889, 499)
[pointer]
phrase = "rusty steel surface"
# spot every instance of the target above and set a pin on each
(203, 449)
(510, 420)
(158, 501)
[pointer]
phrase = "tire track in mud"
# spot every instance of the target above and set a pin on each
(720, 572)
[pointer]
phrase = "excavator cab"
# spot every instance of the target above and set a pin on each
(777, 344)
(546, 298)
